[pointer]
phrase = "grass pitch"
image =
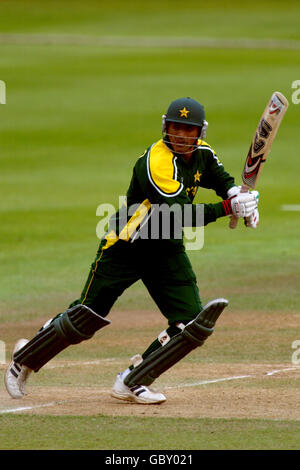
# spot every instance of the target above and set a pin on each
(132, 433)
(80, 110)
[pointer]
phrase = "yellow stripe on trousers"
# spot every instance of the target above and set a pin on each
(125, 234)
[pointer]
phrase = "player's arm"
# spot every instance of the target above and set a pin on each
(215, 176)
(196, 214)
(242, 205)
(164, 188)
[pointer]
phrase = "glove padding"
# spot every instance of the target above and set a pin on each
(244, 204)
(253, 220)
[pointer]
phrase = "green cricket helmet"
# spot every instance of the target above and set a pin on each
(186, 111)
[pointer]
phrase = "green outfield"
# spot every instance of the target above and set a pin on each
(86, 86)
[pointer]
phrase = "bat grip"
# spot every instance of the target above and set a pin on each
(233, 219)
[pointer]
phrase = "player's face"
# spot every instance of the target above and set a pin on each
(182, 137)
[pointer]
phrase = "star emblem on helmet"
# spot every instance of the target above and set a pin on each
(184, 112)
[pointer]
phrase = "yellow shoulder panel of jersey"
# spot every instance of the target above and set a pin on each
(162, 170)
(202, 142)
(204, 145)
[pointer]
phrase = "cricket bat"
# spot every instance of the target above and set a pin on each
(261, 143)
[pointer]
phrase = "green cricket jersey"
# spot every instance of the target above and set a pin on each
(161, 177)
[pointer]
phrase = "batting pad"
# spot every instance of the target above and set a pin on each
(193, 336)
(75, 325)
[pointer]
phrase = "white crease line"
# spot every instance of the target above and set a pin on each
(223, 379)
(26, 408)
(205, 382)
(76, 364)
(282, 370)
(79, 364)
(44, 405)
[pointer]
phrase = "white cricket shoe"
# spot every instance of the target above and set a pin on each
(16, 375)
(136, 394)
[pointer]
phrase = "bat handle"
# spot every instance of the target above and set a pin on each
(233, 219)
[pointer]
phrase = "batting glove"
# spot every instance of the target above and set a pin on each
(241, 205)
(234, 191)
(253, 220)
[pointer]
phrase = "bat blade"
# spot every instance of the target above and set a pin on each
(263, 138)
(261, 143)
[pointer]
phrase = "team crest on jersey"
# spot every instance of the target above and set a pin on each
(197, 176)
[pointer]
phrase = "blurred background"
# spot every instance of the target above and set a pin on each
(86, 86)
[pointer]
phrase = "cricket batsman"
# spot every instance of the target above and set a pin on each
(136, 247)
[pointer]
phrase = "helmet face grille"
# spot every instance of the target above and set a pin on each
(186, 111)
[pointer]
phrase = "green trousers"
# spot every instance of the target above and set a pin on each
(163, 267)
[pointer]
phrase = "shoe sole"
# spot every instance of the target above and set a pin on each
(134, 399)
